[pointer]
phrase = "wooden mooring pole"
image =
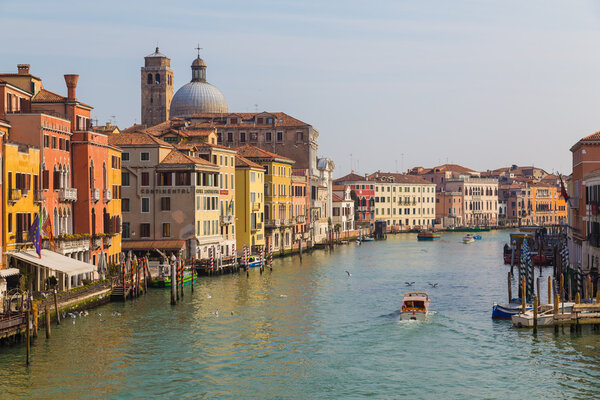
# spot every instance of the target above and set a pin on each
(47, 318)
(524, 295)
(556, 301)
(173, 301)
(539, 294)
(536, 302)
(549, 290)
(193, 272)
(56, 308)
(28, 333)
(509, 286)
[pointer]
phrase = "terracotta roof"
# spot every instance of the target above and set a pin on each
(339, 187)
(592, 137)
(177, 157)
(453, 168)
(243, 162)
(399, 178)
(211, 145)
(350, 177)
(46, 96)
(250, 151)
(135, 139)
(335, 197)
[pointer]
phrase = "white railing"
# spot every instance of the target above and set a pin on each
(95, 194)
(67, 194)
(107, 195)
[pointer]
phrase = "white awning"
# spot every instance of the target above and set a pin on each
(9, 272)
(54, 261)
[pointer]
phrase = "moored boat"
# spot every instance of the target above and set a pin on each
(507, 310)
(429, 235)
(468, 239)
(545, 315)
(415, 306)
(368, 239)
(163, 278)
(477, 237)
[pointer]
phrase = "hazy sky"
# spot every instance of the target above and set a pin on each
(394, 83)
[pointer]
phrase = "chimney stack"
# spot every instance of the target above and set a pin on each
(23, 69)
(71, 81)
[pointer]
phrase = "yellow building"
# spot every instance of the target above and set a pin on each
(4, 127)
(278, 195)
(21, 165)
(114, 205)
(249, 198)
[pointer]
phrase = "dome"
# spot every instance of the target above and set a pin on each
(197, 97)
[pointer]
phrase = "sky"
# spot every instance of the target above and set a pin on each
(389, 85)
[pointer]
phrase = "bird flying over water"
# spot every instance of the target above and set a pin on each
(349, 274)
(409, 283)
(433, 285)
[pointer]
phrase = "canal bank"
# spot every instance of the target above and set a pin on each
(307, 330)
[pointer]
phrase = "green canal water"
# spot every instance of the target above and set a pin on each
(308, 331)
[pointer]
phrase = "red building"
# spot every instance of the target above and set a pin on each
(363, 193)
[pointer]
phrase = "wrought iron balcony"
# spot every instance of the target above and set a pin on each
(226, 219)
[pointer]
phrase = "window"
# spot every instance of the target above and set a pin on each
(280, 136)
(268, 137)
(165, 179)
(115, 162)
(10, 223)
(124, 205)
(145, 179)
(243, 137)
(157, 77)
(266, 170)
(253, 136)
(124, 178)
(126, 233)
(230, 136)
(165, 203)
(299, 136)
(145, 204)
(252, 176)
(144, 156)
(125, 156)
(182, 179)
(46, 141)
(54, 146)
(149, 79)
(166, 230)
(145, 230)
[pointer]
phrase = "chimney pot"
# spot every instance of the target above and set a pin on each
(71, 81)
(23, 69)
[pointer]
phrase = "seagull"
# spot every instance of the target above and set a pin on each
(349, 274)
(433, 285)
(232, 313)
(282, 295)
(216, 313)
(409, 283)
(208, 296)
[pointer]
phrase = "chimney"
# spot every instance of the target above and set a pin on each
(23, 69)
(71, 81)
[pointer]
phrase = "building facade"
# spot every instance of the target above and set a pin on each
(250, 200)
(156, 88)
(343, 210)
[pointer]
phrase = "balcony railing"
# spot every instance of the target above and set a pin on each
(301, 219)
(67, 194)
(107, 195)
(95, 194)
(226, 219)
(273, 223)
(14, 195)
(39, 196)
(256, 227)
(255, 206)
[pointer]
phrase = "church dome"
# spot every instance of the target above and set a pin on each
(198, 96)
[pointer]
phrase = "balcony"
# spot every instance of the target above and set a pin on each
(256, 206)
(226, 219)
(257, 227)
(96, 241)
(95, 195)
(67, 194)
(107, 195)
(70, 243)
(14, 195)
(107, 241)
(39, 196)
(272, 223)
(301, 219)
(316, 203)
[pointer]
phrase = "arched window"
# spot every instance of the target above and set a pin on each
(149, 79)
(93, 221)
(157, 77)
(104, 177)
(92, 175)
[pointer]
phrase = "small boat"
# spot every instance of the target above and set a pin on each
(368, 239)
(477, 237)
(163, 278)
(428, 235)
(507, 310)
(545, 315)
(415, 306)
(253, 262)
(468, 239)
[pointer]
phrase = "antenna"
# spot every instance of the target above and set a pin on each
(396, 166)
(402, 165)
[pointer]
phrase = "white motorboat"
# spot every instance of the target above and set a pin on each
(468, 239)
(415, 306)
(545, 315)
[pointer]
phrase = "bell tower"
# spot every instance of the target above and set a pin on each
(157, 88)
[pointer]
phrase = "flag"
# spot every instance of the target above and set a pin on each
(34, 235)
(47, 229)
(230, 210)
(563, 191)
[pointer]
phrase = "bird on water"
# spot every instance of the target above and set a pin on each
(409, 283)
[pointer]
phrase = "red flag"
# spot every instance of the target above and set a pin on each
(563, 191)
(47, 229)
